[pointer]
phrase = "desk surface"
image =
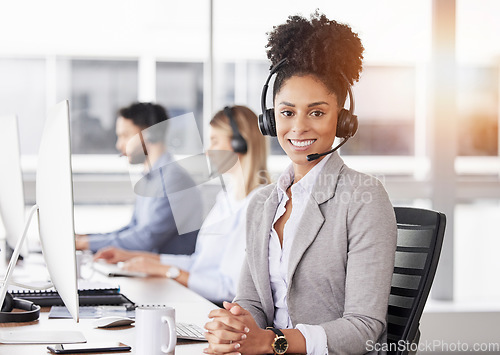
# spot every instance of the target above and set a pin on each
(189, 307)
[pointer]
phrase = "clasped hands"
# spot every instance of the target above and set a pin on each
(233, 330)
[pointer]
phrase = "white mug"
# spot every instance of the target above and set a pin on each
(155, 330)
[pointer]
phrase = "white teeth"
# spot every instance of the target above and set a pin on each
(305, 143)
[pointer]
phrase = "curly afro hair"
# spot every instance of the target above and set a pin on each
(319, 46)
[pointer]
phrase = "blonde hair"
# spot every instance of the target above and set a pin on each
(254, 161)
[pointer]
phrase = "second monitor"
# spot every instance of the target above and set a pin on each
(54, 205)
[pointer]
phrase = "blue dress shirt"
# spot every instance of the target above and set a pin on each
(153, 226)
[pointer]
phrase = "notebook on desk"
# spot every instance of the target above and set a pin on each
(93, 312)
(114, 270)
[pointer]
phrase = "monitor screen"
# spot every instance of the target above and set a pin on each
(11, 185)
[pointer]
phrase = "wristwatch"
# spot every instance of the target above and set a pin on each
(173, 272)
(280, 344)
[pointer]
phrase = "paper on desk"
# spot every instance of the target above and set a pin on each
(27, 336)
(89, 312)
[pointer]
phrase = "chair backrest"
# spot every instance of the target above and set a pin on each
(420, 238)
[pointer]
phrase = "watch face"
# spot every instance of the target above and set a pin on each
(280, 345)
(173, 272)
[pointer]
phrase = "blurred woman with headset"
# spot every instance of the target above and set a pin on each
(321, 241)
(214, 268)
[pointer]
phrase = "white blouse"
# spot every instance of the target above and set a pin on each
(316, 342)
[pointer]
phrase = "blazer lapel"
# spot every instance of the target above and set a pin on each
(261, 262)
(311, 222)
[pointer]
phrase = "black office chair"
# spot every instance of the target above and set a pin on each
(420, 237)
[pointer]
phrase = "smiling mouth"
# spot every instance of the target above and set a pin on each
(302, 143)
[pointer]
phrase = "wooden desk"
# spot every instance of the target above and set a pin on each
(189, 308)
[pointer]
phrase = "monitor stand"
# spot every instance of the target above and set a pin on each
(31, 336)
(4, 284)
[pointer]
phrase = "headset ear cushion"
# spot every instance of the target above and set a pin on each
(347, 124)
(8, 303)
(239, 145)
(262, 125)
(267, 123)
(271, 122)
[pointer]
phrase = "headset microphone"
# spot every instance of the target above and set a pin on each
(315, 156)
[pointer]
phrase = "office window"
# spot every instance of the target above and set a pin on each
(23, 93)
(257, 74)
(96, 90)
(385, 106)
(476, 245)
(478, 108)
(179, 87)
(225, 85)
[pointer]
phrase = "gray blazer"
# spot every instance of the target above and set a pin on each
(340, 268)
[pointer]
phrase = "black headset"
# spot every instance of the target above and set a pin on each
(31, 310)
(347, 122)
(238, 143)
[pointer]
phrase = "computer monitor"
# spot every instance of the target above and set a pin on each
(54, 197)
(54, 204)
(11, 185)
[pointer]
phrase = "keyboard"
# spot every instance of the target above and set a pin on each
(190, 332)
(97, 297)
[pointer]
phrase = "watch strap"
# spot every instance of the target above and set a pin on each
(276, 331)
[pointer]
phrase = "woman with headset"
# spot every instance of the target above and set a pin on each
(321, 241)
(214, 268)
